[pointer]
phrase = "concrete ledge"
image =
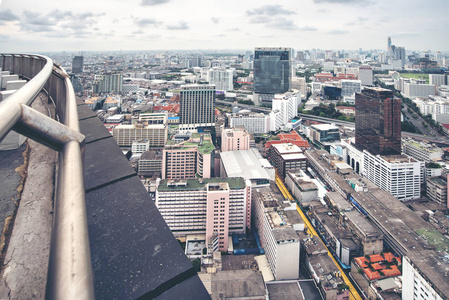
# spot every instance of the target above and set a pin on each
(26, 260)
(15, 84)
(7, 78)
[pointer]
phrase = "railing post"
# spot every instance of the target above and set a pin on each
(70, 269)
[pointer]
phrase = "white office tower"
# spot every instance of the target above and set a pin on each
(253, 122)
(350, 87)
(287, 106)
(437, 79)
(366, 75)
(197, 107)
(222, 78)
(399, 175)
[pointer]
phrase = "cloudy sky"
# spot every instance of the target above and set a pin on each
(56, 25)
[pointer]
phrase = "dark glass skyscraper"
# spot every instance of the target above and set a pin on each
(378, 121)
(77, 64)
(272, 70)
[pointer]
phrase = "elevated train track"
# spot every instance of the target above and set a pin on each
(354, 295)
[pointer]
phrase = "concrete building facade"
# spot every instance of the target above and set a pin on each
(436, 189)
(287, 157)
(399, 175)
(125, 135)
(253, 122)
(236, 138)
(216, 207)
(277, 237)
(222, 78)
(197, 107)
(189, 159)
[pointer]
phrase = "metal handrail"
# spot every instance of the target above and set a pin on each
(69, 269)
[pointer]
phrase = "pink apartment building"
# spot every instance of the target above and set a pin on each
(236, 138)
(190, 159)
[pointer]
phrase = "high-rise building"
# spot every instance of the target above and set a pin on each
(197, 107)
(272, 71)
(77, 64)
(366, 75)
(378, 121)
(222, 78)
(400, 175)
(217, 207)
(287, 105)
(350, 87)
(109, 83)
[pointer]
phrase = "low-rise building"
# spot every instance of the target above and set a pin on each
(369, 269)
(248, 164)
(436, 189)
(125, 135)
(140, 146)
(253, 122)
(324, 134)
(421, 151)
(321, 267)
(301, 186)
(286, 157)
(150, 163)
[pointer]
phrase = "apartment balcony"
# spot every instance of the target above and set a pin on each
(85, 227)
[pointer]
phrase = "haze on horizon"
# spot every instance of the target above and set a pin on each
(101, 25)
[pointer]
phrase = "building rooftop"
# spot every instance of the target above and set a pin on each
(423, 146)
(324, 127)
(285, 234)
(285, 290)
(153, 126)
(151, 155)
(287, 148)
(293, 156)
(200, 184)
(244, 163)
(233, 284)
(400, 223)
(357, 219)
(398, 159)
(438, 180)
(337, 200)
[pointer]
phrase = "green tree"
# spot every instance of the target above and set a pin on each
(196, 263)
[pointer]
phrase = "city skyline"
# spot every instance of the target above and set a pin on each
(172, 25)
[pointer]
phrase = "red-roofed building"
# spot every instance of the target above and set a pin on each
(174, 108)
(323, 77)
(377, 266)
(292, 138)
(376, 258)
(372, 275)
(370, 271)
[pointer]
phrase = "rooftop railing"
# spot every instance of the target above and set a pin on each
(69, 269)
